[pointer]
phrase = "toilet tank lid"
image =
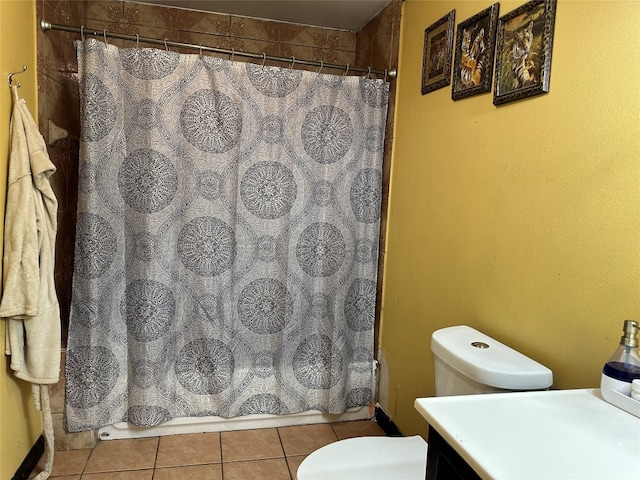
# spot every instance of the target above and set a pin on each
(497, 365)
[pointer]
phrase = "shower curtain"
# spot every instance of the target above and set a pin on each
(227, 238)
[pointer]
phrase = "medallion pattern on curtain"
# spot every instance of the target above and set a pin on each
(227, 238)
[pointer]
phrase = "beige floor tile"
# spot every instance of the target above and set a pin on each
(68, 462)
(118, 455)
(66, 477)
(272, 469)
(361, 428)
(192, 449)
(128, 475)
(247, 454)
(65, 464)
(304, 439)
(250, 445)
(195, 472)
(294, 462)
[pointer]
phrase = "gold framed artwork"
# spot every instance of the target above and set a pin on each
(474, 54)
(523, 56)
(436, 60)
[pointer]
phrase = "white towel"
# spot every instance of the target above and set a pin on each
(29, 303)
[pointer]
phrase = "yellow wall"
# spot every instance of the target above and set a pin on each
(522, 221)
(20, 424)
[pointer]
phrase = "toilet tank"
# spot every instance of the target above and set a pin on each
(469, 362)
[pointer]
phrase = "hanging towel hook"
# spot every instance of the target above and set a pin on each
(321, 65)
(346, 70)
(200, 51)
(233, 52)
(24, 69)
(166, 47)
(137, 41)
(104, 32)
(82, 33)
(264, 57)
(293, 62)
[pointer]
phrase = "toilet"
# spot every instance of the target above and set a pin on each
(466, 362)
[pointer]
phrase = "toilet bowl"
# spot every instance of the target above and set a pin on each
(367, 458)
(466, 362)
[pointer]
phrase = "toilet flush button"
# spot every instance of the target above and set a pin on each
(479, 345)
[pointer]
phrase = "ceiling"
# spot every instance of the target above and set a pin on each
(341, 14)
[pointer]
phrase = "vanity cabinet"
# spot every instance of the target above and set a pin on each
(444, 463)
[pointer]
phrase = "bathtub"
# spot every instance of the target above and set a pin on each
(248, 422)
(220, 424)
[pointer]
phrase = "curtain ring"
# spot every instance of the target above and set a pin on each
(166, 47)
(264, 58)
(368, 74)
(346, 70)
(82, 32)
(321, 65)
(137, 41)
(293, 62)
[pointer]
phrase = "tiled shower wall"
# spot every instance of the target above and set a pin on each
(375, 45)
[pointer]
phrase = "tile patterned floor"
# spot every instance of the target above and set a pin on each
(264, 454)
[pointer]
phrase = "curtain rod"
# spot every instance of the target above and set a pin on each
(44, 25)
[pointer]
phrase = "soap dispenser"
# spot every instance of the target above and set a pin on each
(622, 368)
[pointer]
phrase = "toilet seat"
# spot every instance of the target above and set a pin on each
(367, 458)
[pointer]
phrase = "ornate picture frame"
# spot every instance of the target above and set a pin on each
(474, 54)
(523, 56)
(436, 60)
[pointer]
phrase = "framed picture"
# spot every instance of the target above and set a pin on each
(523, 58)
(436, 61)
(474, 54)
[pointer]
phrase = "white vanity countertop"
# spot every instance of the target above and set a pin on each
(557, 434)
